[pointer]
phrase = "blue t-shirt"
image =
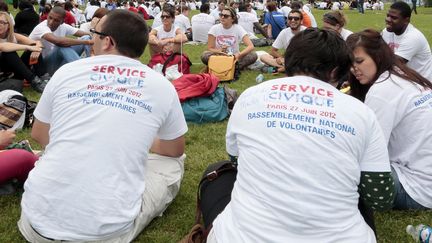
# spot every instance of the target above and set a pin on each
(277, 22)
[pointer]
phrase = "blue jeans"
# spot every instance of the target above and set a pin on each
(62, 55)
(360, 6)
(402, 199)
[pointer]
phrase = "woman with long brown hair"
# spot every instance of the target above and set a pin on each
(225, 38)
(402, 101)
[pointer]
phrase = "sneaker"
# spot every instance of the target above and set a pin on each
(38, 84)
(46, 77)
(24, 144)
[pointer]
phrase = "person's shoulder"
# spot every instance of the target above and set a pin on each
(385, 33)
(413, 31)
(284, 32)
(216, 27)
(42, 25)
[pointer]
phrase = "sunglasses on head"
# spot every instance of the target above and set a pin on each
(165, 16)
(224, 15)
(293, 18)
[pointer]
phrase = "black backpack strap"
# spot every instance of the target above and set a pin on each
(171, 57)
(168, 60)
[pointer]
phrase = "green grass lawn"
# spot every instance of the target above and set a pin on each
(206, 144)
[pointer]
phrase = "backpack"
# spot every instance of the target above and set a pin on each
(217, 180)
(195, 85)
(171, 58)
(213, 108)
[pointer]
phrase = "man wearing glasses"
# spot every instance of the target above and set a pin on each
(275, 59)
(406, 41)
(98, 118)
(58, 48)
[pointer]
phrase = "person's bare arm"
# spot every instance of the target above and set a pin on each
(170, 148)
(180, 37)
(249, 48)
(269, 31)
(65, 41)
(274, 52)
(80, 33)
(10, 47)
(6, 138)
(261, 29)
(153, 40)
(40, 132)
(22, 39)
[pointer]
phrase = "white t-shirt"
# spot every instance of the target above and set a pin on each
(162, 34)
(301, 145)
(413, 46)
(103, 4)
(192, 5)
(345, 33)
(215, 13)
(247, 20)
(311, 16)
(336, 6)
(201, 23)
(89, 11)
(104, 113)
(42, 28)
(230, 37)
(155, 11)
(213, 5)
(253, 12)
(157, 21)
(182, 22)
(285, 10)
(284, 38)
(404, 111)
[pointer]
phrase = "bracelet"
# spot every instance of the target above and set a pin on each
(33, 44)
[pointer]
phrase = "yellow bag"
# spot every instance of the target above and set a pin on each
(222, 67)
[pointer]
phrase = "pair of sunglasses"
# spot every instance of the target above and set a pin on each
(294, 18)
(225, 16)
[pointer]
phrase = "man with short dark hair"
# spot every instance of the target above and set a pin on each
(98, 118)
(58, 48)
(249, 21)
(306, 155)
(274, 58)
(201, 23)
(406, 41)
(182, 19)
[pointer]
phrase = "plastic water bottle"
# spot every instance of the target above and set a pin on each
(421, 233)
(268, 69)
(259, 78)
